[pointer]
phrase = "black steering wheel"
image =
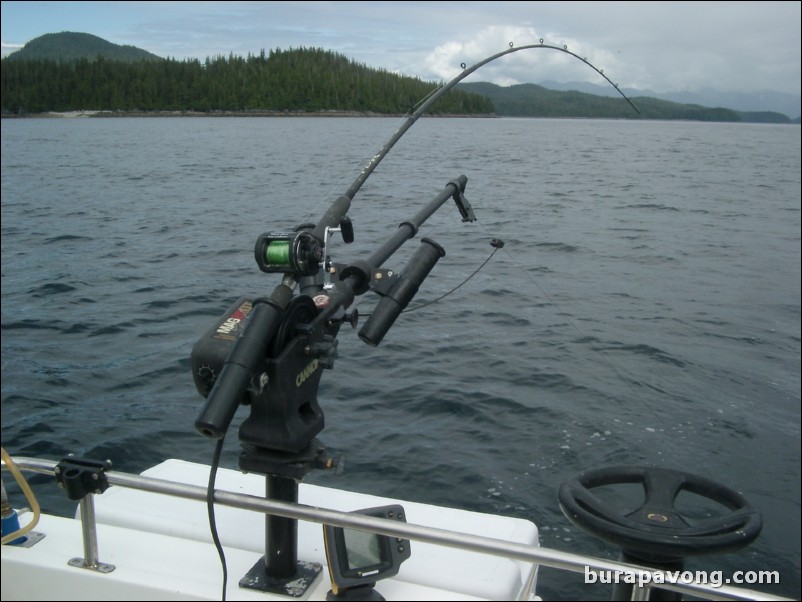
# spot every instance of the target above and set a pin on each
(656, 529)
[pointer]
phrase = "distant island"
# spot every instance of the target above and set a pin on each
(81, 74)
(530, 100)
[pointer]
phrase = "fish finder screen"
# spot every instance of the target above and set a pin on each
(358, 559)
(364, 550)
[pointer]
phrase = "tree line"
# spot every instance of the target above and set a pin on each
(281, 80)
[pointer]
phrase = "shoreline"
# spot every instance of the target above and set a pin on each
(100, 114)
(249, 113)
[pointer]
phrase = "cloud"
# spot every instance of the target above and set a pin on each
(6, 49)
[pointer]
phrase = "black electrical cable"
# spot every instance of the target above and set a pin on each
(210, 508)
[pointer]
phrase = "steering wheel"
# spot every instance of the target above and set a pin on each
(656, 529)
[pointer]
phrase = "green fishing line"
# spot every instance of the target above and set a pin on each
(278, 253)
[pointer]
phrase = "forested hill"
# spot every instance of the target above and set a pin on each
(300, 80)
(529, 100)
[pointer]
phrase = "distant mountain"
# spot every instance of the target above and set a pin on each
(68, 46)
(530, 100)
(787, 104)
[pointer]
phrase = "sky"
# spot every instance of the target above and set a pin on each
(655, 46)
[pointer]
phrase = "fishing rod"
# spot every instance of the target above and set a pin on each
(438, 92)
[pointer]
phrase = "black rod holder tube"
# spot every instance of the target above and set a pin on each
(392, 304)
(408, 229)
(356, 277)
(235, 377)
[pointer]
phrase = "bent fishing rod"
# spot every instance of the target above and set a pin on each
(232, 370)
(438, 92)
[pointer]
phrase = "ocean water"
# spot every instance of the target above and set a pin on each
(645, 308)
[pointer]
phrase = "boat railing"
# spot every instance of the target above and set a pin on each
(640, 576)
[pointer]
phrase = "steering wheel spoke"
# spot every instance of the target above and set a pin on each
(662, 488)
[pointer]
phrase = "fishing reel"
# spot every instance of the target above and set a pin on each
(298, 252)
(295, 252)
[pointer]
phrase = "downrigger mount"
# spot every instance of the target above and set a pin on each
(270, 352)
